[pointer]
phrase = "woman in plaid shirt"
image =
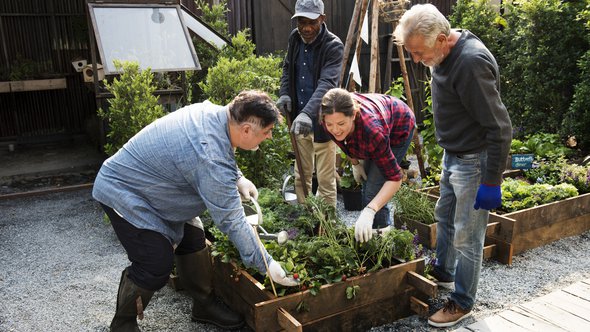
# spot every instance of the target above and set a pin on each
(375, 131)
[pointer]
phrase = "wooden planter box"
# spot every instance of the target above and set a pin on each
(384, 296)
(511, 233)
(540, 225)
(426, 233)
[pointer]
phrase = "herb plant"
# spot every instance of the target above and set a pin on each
(413, 205)
(321, 249)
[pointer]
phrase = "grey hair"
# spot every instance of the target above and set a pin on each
(422, 20)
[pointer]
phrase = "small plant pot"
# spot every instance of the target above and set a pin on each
(352, 199)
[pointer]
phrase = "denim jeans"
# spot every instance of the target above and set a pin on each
(460, 228)
(375, 181)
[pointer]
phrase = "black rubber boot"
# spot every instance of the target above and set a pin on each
(196, 276)
(131, 301)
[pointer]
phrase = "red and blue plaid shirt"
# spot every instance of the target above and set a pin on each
(384, 122)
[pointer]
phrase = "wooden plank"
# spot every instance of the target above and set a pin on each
(4, 87)
(553, 314)
(525, 321)
(533, 238)
(390, 282)
(547, 214)
(494, 324)
(579, 289)
(364, 317)
(288, 322)
(489, 251)
(502, 251)
(566, 301)
(426, 233)
(36, 85)
(423, 284)
(504, 231)
(419, 307)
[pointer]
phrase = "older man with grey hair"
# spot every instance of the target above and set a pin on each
(473, 127)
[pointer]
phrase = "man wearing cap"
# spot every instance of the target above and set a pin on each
(311, 68)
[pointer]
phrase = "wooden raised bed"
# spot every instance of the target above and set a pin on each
(543, 224)
(384, 296)
(511, 233)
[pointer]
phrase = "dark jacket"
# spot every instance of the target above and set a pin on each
(327, 67)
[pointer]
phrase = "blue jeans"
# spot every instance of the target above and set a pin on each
(460, 228)
(375, 181)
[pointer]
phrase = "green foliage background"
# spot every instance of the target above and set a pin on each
(538, 44)
(133, 106)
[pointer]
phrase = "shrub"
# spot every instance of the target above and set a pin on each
(240, 69)
(133, 106)
(540, 46)
(577, 120)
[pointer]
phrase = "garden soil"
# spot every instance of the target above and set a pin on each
(60, 265)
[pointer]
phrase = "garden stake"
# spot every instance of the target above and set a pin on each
(296, 152)
(260, 244)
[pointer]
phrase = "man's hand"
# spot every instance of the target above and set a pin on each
(278, 275)
(358, 171)
(363, 228)
(302, 125)
(488, 197)
(247, 189)
(284, 104)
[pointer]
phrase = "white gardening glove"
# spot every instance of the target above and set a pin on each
(358, 171)
(302, 125)
(363, 228)
(278, 275)
(247, 189)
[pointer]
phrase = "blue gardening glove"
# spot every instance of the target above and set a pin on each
(302, 125)
(488, 197)
(284, 105)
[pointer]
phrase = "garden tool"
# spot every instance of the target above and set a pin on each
(255, 221)
(296, 152)
(288, 189)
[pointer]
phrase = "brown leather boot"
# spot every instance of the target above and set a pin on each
(195, 272)
(131, 301)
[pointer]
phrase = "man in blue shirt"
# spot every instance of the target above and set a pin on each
(172, 171)
(311, 68)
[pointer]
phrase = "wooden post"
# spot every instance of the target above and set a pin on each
(374, 46)
(410, 100)
(349, 36)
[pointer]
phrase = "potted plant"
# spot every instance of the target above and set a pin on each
(349, 188)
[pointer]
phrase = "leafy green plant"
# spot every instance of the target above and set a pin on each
(237, 69)
(540, 46)
(542, 145)
(347, 180)
(578, 176)
(132, 107)
(413, 205)
(518, 194)
(215, 16)
(319, 258)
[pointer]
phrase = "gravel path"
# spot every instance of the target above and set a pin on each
(60, 265)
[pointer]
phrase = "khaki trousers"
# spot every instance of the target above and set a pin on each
(324, 155)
